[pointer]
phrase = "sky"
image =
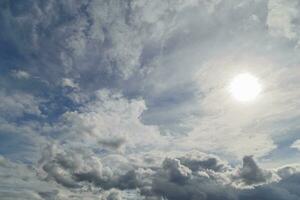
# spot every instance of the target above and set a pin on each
(131, 100)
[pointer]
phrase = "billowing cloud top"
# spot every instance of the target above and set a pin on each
(129, 99)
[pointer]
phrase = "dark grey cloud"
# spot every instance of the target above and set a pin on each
(114, 143)
(112, 195)
(70, 168)
(173, 179)
(200, 161)
(210, 185)
(251, 174)
(76, 174)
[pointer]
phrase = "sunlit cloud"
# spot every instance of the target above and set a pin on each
(177, 100)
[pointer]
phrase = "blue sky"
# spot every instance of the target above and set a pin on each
(129, 99)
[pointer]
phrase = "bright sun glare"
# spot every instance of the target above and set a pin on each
(245, 87)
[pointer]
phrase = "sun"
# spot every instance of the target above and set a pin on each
(245, 87)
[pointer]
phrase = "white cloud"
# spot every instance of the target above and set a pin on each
(109, 120)
(66, 82)
(296, 145)
(20, 74)
(281, 16)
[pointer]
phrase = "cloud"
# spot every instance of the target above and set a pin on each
(71, 168)
(108, 120)
(112, 195)
(281, 17)
(134, 47)
(251, 175)
(17, 104)
(209, 184)
(288, 171)
(114, 143)
(122, 98)
(296, 145)
(78, 169)
(19, 181)
(174, 180)
(176, 171)
(196, 161)
(82, 174)
(20, 74)
(66, 82)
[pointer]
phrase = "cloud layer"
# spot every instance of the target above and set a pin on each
(128, 99)
(195, 175)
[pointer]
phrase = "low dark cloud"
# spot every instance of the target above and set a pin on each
(76, 174)
(113, 143)
(208, 184)
(194, 176)
(251, 174)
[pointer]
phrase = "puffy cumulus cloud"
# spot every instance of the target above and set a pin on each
(20, 181)
(251, 175)
(288, 171)
(70, 168)
(76, 174)
(109, 121)
(176, 172)
(176, 181)
(112, 195)
(80, 170)
(196, 161)
(186, 177)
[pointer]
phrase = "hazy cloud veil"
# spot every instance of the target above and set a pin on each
(128, 99)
